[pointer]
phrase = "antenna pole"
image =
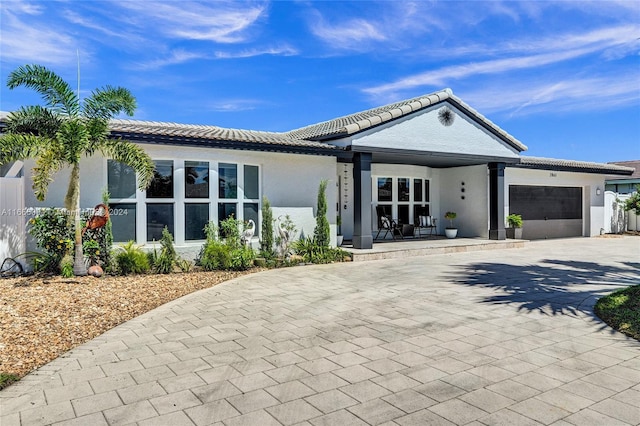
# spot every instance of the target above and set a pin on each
(78, 56)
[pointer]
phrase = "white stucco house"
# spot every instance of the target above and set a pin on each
(426, 155)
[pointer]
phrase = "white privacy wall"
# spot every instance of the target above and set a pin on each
(12, 218)
(593, 204)
(473, 210)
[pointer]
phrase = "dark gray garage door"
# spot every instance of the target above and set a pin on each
(547, 211)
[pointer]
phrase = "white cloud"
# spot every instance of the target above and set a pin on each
(29, 42)
(221, 22)
(234, 105)
(352, 34)
(517, 97)
(562, 48)
(249, 53)
(174, 57)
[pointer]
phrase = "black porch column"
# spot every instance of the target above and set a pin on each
(362, 237)
(496, 202)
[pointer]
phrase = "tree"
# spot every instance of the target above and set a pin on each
(60, 133)
(633, 202)
(322, 229)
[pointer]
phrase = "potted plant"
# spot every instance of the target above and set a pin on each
(339, 237)
(514, 230)
(450, 231)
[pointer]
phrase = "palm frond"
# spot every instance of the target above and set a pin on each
(34, 120)
(15, 147)
(132, 155)
(56, 92)
(47, 164)
(98, 130)
(107, 102)
(74, 137)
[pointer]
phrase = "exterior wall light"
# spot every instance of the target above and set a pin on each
(598, 191)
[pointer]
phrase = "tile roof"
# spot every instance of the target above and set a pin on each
(309, 136)
(571, 165)
(358, 122)
(213, 133)
(633, 163)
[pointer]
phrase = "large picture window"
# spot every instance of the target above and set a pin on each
(227, 180)
(123, 222)
(159, 215)
(162, 183)
(196, 216)
(121, 180)
(251, 183)
(385, 189)
(196, 182)
(407, 203)
(184, 196)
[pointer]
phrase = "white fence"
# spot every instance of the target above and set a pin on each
(12, 217)
(616, 220)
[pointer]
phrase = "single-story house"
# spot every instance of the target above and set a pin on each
(421, 156)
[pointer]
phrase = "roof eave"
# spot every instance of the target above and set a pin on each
(328, 150)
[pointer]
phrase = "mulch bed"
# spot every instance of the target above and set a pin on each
(43, 317)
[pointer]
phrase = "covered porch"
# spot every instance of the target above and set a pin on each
(437, 244)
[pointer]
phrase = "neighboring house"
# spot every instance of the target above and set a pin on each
(618, 189)
(624, 184)
(425, 155)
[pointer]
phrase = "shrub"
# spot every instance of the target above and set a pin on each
(66, 266)
(514, 220)
(228, 254)
(185, 265)
(322, 230)
(91, 250)
(312, 252)
(450, 216)
(163, 262)
(266, 241)
(131, 260)
(53, 236)
(7, 379)
(285, 233)
(633, 202)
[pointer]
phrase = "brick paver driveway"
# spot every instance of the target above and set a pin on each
(492, 337)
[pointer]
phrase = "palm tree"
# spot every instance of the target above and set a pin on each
(63, 131)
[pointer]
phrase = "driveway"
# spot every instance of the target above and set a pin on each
(487, 337)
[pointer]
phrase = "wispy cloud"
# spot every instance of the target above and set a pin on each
(221, 22)
(349, 34)
(117, 32)
(517, 97)
(249, 53)
(234, 105)
(26, 42)
(561, 49)
(174, 57)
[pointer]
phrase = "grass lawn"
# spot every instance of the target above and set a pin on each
(621, 310)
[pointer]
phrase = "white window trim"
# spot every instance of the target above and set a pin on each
(179, 200)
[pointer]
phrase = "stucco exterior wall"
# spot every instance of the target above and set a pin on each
(424, 132)
(473, 210)
(287, 180)
(593, 204)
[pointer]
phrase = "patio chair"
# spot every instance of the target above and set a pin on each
(386, 224)
(424, 221)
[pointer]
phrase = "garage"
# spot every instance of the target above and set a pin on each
(548, 211)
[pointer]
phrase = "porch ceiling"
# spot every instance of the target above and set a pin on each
(430, 159)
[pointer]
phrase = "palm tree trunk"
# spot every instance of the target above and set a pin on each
(72, 203)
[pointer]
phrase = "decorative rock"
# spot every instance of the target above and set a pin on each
(95, 271)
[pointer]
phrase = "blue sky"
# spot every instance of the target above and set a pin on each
(563, 77)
